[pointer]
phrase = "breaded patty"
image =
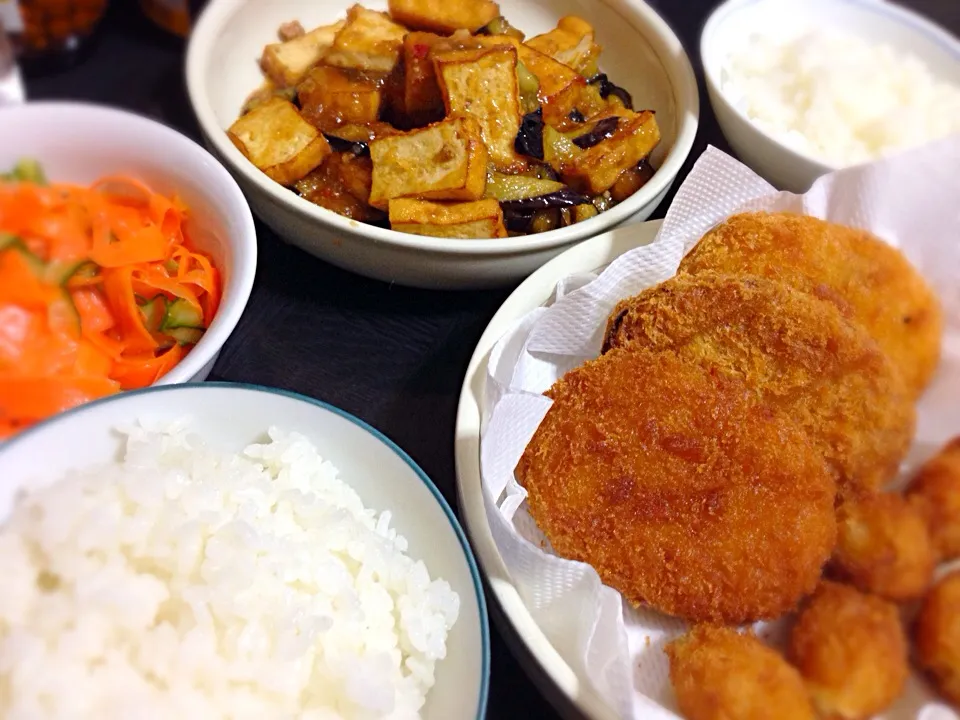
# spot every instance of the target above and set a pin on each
(867, 279)
(682, 489)
(851, 650)
(720, 674)
(797, 352)
(884, 547)
(935, 491)
(937, 637)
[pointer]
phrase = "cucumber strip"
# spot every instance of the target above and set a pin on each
(28, 170)
(8, 240)
(181, 314)
(186, 335)
(58, 272)
(171, 266)
(154, 313)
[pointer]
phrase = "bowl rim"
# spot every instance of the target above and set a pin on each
(237, 289)
(466, 549)
(917, 23)
(530, 294)
(663, 42)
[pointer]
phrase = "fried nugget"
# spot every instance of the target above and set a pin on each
(719, 673)
(851, 650)
(935, 491)
(680, 488)
(937, 637)
(867, 279)
(884, 547)
(798, 352)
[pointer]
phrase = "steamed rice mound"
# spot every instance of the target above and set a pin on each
(181, 582)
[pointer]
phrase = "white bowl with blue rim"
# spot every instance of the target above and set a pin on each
(875, 21)
(229, 417)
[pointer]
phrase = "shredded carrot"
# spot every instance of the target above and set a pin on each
(89, 280)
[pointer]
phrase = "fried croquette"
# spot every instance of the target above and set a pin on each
(867, 279)
(721, 674)
(937, 637)
(935, 491)
(851, 650)
(798, 352)
(884, 547)
(682, 490)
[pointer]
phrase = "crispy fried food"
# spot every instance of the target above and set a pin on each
(935, 491)
(799, 353)
(682, 490)
(884, 547)
(719, 673)
(864, 277)
(851, 650)
(937, 637)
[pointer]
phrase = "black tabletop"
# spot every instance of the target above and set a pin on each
(393, 356)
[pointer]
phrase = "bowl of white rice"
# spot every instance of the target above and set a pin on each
(228, 551)
(804, 88)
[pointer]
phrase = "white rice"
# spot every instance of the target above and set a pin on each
(836, 97)
(185, 583)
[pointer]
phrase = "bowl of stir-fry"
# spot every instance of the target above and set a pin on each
(447, 144)
(121, 266)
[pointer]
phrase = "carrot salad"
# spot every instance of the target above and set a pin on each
(101, 290)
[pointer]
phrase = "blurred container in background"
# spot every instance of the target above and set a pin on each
(11, 86)
(175, 16)
(50, 34)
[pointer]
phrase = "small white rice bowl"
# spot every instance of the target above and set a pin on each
(185, 582)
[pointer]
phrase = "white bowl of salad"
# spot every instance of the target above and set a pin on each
(127, 255)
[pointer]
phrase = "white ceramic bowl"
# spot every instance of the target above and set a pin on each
(76, 142)
(229, 417)
(556, 678)
(640, 52)
(876, 21)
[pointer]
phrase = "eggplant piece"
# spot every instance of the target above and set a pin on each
(576, 116)
(340, 145)
(608, 88)
(545, 220)
(500, 26)
(561, 198)
(529, 139)
(631, 180)
(600, 132)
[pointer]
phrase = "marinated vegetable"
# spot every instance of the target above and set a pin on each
(101, 289)
(445, 103)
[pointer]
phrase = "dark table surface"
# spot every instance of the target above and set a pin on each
(392, 356)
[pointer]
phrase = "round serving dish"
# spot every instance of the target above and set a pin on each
(229, 417)
(554, 675)
(876, 21)
(640, 52)
(80, 143)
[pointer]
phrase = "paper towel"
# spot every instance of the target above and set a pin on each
(911, 200)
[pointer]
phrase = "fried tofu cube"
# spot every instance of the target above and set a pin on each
(561, 87)
(443, 16)
(286, 63)
(368, 41)
(477, 219)
(277, 140)
(422, 99)
(483, 83)
(596, 169)
(330, 97)
(571, 43)
(443, 161)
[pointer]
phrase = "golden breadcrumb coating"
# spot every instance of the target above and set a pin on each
(867, 279)
(935, 492)
(937, 637)
(721, 674)
(798, 352)
(851, 650)
(682, 489)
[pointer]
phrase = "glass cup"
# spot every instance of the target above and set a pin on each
(11, 86)
(52, 33)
